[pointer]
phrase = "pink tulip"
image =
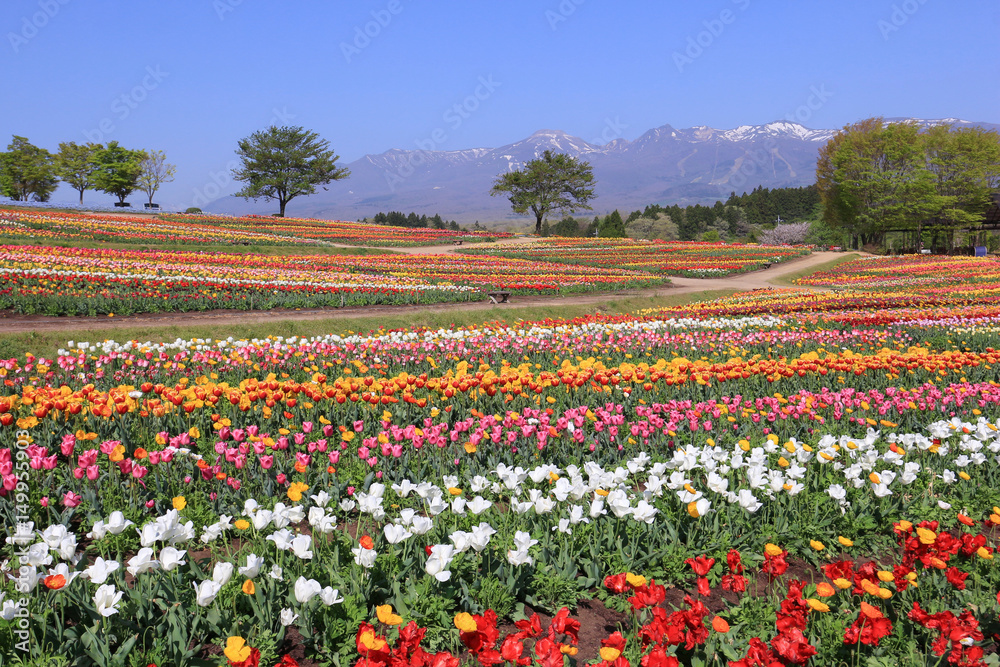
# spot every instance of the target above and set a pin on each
(70, 499)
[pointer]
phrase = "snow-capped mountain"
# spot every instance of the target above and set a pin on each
(665, 165)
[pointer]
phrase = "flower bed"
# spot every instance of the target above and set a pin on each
(690, 259)
(69, 281)
(16, 224)
(349, 233)
(814, 488)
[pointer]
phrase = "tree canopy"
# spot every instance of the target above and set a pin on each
(76, 165)
(285, 162)
(552, 183)
(27, 171)
(155, 172)
(118, 170)
(876, 177)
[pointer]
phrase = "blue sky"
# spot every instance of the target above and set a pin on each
(191, 77)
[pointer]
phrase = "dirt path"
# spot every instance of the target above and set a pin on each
(748, 281)
(445, 249)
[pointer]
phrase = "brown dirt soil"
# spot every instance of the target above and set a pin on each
(14, 323)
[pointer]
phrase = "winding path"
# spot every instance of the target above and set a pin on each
(748, 281)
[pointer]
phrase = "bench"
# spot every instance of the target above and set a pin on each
(458, 242)
(498, 297)
(155, 207)
(767, 265)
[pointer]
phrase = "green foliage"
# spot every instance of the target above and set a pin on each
(552, 183)
(77, 165)
(551, 591)
(400, 219)
(612, 227)
(568, 226)
(494, 594)
(660, 226)
(27, 171)
(118, 170)
(875, 177)
(285, 162)
(711, 236)
(193, 209)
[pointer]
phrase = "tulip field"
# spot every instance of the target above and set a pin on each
(774, 478)
(678, 258)
(74, 281)
(18, 226)
(339, 231)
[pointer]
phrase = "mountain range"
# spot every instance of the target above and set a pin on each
(665, 165)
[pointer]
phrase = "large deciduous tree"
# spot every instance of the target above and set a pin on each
(872, 178)
(118, 170)
(876, 177)
(27, 171)
(76, 165)
(155, 172)
(285, 162)
(552, 183)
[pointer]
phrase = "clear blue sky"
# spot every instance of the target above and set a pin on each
(191, 77)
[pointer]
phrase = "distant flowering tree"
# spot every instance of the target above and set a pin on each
(790, 234)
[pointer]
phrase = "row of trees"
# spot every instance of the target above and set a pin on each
(399, 219)
(876, 177)
(780, 215)
(31, 173)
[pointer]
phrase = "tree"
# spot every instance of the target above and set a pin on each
(793, 233)
(568, 226)
(285, 162)
(27, 171)
(874, 178)
(549, 184)
(118, 170)
(155, 172)
(612, 227)
(965, 165)
(76, 165)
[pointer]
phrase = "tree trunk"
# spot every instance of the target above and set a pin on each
(282, 202)
(538, 222)
(81, 197)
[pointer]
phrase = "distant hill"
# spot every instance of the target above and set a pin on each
(665, 165)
